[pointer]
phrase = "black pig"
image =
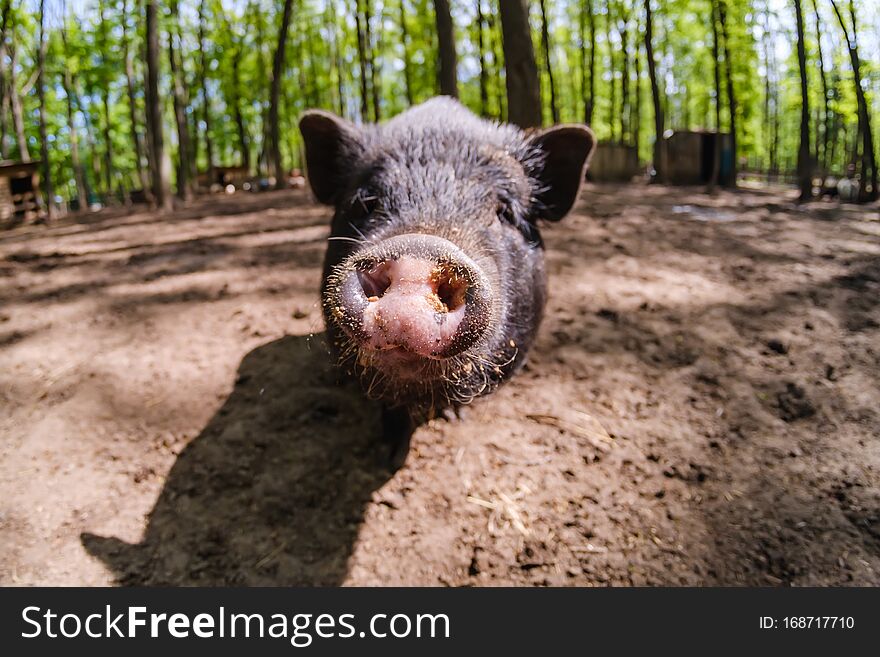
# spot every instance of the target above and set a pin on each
(434, 282)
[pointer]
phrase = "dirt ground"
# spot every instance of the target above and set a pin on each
(702, 407)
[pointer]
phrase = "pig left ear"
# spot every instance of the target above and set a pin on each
(329, 141)
(567, 150)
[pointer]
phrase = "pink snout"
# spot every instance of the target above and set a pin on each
(417, 294)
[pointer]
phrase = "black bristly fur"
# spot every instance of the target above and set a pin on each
(440, 170)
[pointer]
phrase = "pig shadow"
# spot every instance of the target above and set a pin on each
(273, 490)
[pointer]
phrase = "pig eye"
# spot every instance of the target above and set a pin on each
(363, 204)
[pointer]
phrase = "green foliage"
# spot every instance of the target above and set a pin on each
(86, 39)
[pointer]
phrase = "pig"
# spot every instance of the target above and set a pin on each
(434, 282)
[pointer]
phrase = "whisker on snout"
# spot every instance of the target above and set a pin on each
(342, 238)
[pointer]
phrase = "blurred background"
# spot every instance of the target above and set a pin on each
(121, 101)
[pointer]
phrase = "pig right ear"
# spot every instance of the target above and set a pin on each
(330, 141)
(566, 154)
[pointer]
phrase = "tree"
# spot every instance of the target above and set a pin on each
(869, 162)
(588, 18)
(716, 71)
(659, 142)
(4, 89)
(826, 113)
(372, 50)
(407, 64)
(731, 94)
(154, 110)
(484, 70)
(235, 92)
(136, 142)
(82, 190)
(12, 87)
(104, 45)
(545, 46)
(275, 96)
(448, 78)
(771, 99)
(523, 88)
(498, 65)
(623, 32)
(580, 58)
(612, 107)
(41, 94)
(804, 170)
(362, 60)
(203, 79)
(181, 102)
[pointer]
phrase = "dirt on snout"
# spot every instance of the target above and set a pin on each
(702, 407)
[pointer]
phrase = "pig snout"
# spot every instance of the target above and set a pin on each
(413, 294)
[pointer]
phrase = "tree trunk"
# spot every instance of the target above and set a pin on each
(716, 60)
(636, 114)
(15, 102)
(869, 163)
(826, 114)
(314, 95)
(4, 107)
(4, 96)
(731, 97)
(179, 95)
(497, 65)
(582, 53)
(161, 189)
(275, 98)
(590, 102)
(804, 173)
(362, 61)
(82, 191)
(545, 46)
(612, 108)
(244, 148)
(82, 194)
(91, 142)
(244, 143)
(203, 79)
(337, 57)
(407, 64)
(136, 140)
(625, 100)
(254, 10)
(834, 121)
(447, 75)
(41, 94)
(372, 50)
(484, 71)
(105, 101)
(523, 87)
(659, 142)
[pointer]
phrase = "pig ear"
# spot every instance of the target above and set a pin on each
(567, 150)
(329, 141)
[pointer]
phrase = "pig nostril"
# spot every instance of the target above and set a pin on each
(451, 287)
(375, 281)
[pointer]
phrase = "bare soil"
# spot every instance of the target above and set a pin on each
(702, 407)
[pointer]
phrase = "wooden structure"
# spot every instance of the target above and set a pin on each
(613, 162)
(223, 176)
(19, 191)
(690, 157)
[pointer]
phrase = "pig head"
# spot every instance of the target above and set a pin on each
(434, 282)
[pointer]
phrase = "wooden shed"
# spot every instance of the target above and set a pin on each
(690, 156)
(224, 176)
(613, 162)
(19, 191)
